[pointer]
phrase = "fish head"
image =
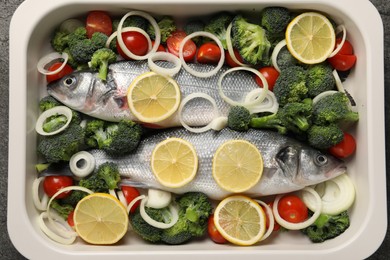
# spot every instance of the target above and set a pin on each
(307, 166)
(73, 89)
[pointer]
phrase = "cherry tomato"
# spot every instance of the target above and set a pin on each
(292, 209)
(214, 233)
(70, 219)
(270, 74)
(208, 53)
(347, 48)
(230, 61)
(345, 148)
(276, 225)
(52, 184)
(136, 42)
(98, 21)
(342, 62)
(173, 44)
(131, 193)
(65, 71)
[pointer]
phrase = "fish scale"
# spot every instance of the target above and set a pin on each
(288, 164)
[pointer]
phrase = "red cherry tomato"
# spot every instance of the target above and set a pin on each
(342, 62)
(214, 233)
(270, 74)
(208, 53)
(173, 44)
(276, 225)
(65, 71)
(130, 194)
(52, 184)
(136, 42)
(230, 61)
(347, 48)
(292, 209)
(98, 21)
(345, 148)
(70, 219)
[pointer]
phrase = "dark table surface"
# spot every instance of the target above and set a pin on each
(7, 9)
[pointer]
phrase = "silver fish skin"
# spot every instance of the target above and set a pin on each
(288, 165)
(85, 92)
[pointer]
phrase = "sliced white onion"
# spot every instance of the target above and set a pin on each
(49, 58)
(82, 164)
(174, 213)
(270, 218)
(113, 193)
(337, 195)
(256, 101)
(270, 103)
(219, 123)
(158, 199)
(130, 29)
(230, 47)
(339, 84)
(339, 29)
(275, 53)
(322, 95)
(65, 240)
(185, 101)
(40, 204)
(156, 29)
(62, 110)
(121, 198)
(197, 73)
(167, 57)
(300, 225)
(132, 203)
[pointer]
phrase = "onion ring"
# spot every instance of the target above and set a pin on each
(130, 29)
(57, 238)
(272, 104)
(339, 28)
(40, 204)
(322, 95)
(339, 84)
(270, 217)
(87, 166)
(157, 224)
(197, 73)
(164, 56)
(132, 203)
(62, 110)
(45, 60)
(275, 53)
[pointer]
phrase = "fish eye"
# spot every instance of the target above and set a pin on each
(69, 81)
(321, 159)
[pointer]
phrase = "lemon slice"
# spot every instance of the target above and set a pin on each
(153, 97)
(100, 219)
(240, 220)
(174, 162)
(237, 166)
(310, 37)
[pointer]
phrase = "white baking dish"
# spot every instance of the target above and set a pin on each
(31, 27)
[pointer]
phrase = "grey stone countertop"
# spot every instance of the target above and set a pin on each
(7, 9)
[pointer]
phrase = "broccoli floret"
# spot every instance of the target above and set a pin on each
(319, 79)
(77, 35)
(131, 21)
(167, 27)
(59, 41)
(327, 227)
(218, 25)
(106, 178)
(285, 59)
(250, 40)
(290, 86)
(71, 60)
(296, 116)
(178, 233)
(100, 61)
(194, 26)
(334, 109)
(61, 146)
(47, 103)
(324, 136)
(275, 19)
(271, 121)
(143, 229)
(74, 197)
(115, 138)
(239, 118)
(82, 49)
(62, 209)
(99, 40)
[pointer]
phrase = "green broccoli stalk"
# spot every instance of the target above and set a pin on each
(114, 138)
(334, 108)
(218, 25)
(239, 118)
(61, 146)
(319, 79)
(106, 178)
(324, 136)
(62, 209)
(194, 26)
(271, 121)
(167, 27)
(327, 227)
(54, 123)
(290, 86)
(296, 116)
(100, 61)
(250, 40)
